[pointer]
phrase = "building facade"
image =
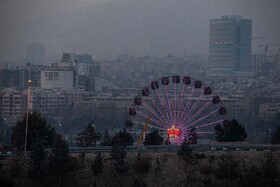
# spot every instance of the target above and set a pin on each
(230, 45)
(57, 78)
(257, 61)
(13, 78)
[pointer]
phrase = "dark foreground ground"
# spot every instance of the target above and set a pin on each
(251, 168)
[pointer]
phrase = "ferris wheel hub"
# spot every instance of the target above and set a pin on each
(173, 132)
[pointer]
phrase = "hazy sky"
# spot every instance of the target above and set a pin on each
(106, 28)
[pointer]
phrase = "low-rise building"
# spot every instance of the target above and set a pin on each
(268, 111)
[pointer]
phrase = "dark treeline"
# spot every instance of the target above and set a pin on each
(47, 161)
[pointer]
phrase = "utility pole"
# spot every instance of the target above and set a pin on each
(27, 111)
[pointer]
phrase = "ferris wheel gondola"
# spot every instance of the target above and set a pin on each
(177, 107)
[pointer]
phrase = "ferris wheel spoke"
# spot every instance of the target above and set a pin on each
(186, 105)
(205, 116)
(194, 106)
(174, 98)
(152, 119)
(160, 116)
(191, 117)
(169, 105)
(163, 107)
(152, 111)
(206, 132)
(158, 106)
(207, 124)
(181, 100)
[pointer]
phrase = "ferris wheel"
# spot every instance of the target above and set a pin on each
(177, 107)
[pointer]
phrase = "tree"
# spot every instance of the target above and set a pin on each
(270, 169)
(88, 137)
(118, 152)
(82, 157)
(122, 138)
(7, 182)
(253, 175)
(153, 139)
(106, 139)
(4, 132)
(142, 165)
(121, 166)
(167, 141)
(185, 151)
(38, 132)
(139, 183)
(97, 166)
(193, 136)
(206, 170)
(59, 160)
(4, 180)
(230, 132)
(275, 136)
(37, 161)
(226, 168)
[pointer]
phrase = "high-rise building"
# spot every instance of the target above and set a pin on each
(13, 78)
(257, 61)
(230, 40)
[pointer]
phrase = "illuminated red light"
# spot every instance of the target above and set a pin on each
(173, 132)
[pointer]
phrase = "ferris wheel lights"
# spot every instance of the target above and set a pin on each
(216, 100)
(187, 80)
(223, 110)
(154, 85)
(177, 109)
(164, 80)
(138, 100)
(145, 92)
(173, 132)
(197, 84)
(132, 111)
(176, 79)
(207, 90)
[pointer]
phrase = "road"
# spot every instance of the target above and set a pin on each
(174, 148)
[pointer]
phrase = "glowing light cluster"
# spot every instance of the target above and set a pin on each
(173, 132)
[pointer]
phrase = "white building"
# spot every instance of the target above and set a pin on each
(57, 78)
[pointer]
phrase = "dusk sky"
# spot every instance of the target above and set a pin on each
(106, 28)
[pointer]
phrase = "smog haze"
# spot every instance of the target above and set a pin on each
(108, 28)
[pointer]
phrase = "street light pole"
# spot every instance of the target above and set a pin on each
(27, 111)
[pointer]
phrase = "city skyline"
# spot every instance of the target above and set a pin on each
(155, 28)
(139, 93)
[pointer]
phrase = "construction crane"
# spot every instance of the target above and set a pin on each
(242, 45)
(266, 46)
